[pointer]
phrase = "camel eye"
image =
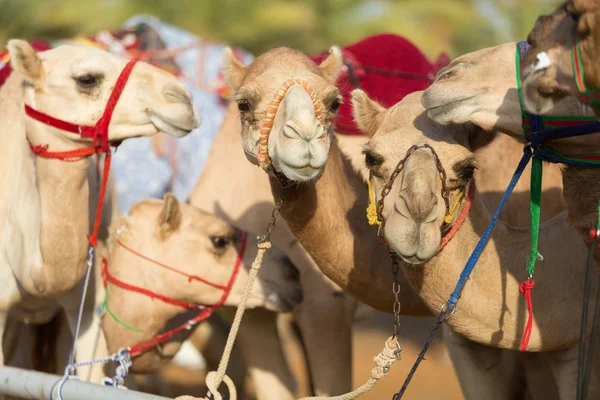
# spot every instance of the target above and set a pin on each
(243, 106)
(335, 105)
(371, 160)
(219, 242)
(88, 81)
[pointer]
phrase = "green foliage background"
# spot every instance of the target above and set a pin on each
(454, 26)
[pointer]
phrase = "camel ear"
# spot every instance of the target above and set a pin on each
(25, 60)
(368, 114)
(170, 216)
(332, 65)
(233, 69)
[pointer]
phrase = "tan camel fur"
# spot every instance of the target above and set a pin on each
(345, 263)
(414, 213)
(45, 208)
(491, 102)
(193, 241)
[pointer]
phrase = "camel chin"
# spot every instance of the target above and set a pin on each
(173, 126)
(303, 174)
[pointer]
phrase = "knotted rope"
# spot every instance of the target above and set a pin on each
(383, 361)
(214, 379)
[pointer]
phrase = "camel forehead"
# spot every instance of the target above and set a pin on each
(273, 78)
(79, 53)
(149, 209)
(281, 58)
(406, 124)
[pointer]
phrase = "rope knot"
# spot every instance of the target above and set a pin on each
(384, 360)
(526, 286)
(264, 244)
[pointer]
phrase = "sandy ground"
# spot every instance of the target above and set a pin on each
(435, 378)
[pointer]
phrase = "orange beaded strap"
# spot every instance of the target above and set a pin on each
(263, 148)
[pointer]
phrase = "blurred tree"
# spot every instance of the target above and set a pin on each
(454, 26)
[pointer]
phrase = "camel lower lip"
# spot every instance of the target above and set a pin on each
(168, 127)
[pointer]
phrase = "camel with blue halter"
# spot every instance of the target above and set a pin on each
(50, 105)
(417, 168)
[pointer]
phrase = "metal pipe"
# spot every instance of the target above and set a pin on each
(38, 386)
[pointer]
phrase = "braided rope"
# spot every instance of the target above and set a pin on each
(220, 375)
(263, 147)
(383, 361)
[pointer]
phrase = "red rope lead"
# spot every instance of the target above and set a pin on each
(525, 289)
(190, 277)
(108, 277)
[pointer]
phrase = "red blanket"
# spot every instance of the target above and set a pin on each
(387, 67)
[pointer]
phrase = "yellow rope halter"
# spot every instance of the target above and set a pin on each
(448, 217)
(372, 208)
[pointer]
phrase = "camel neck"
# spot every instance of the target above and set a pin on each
(329, 219)
(47, 215)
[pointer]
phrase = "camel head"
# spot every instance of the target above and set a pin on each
(415, 213)
(286, 103)
(549, 67)
(196, 244)
(472, 87)
(73, 84)
(481, 88)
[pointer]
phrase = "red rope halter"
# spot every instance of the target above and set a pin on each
(98, 133)
(205, 311)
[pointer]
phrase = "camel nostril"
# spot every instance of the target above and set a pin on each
(291, 131)
(176, 94)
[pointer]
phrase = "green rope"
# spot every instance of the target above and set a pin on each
(113, 315)
(534, 206)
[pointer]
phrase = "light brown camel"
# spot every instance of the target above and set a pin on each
(414, 214)
(356, 260)
(44, 208)
(243, 197)
(196, 243)
(492, 102)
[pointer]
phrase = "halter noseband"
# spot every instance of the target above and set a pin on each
(375, 212)
(263, 146)
(205, 311)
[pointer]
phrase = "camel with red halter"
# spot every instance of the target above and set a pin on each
(52, 103)
(193, 263)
